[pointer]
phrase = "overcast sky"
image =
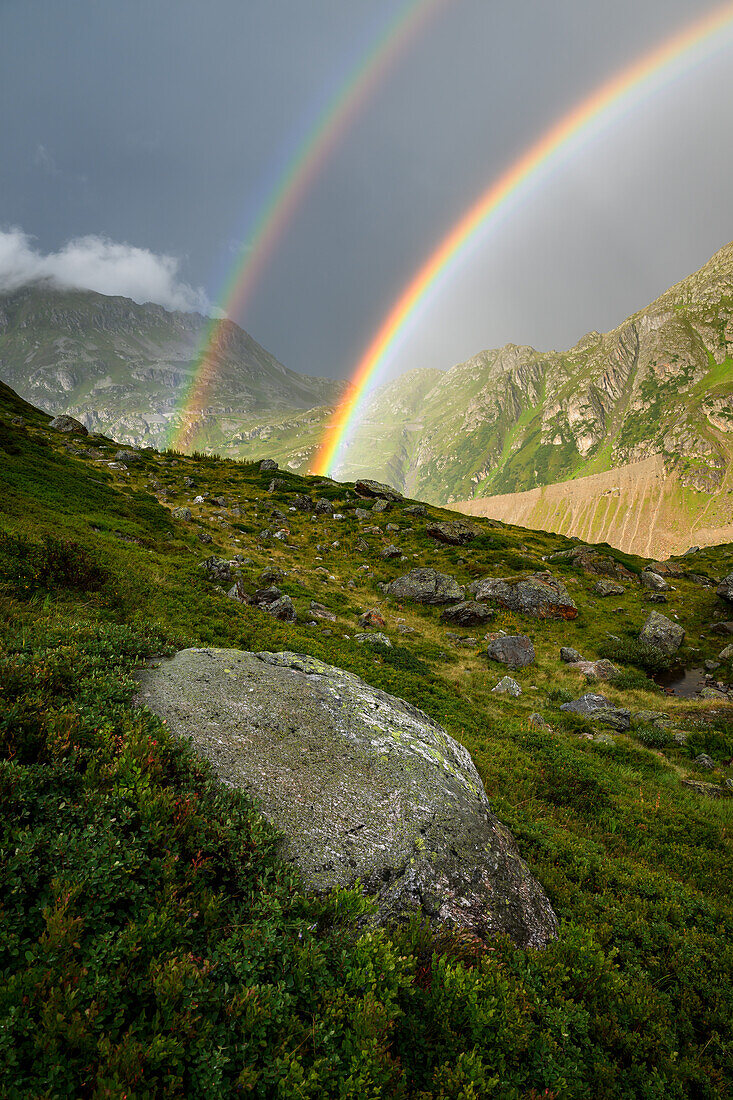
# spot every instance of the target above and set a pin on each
(162, 125)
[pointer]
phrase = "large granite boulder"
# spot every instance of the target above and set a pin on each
(662, 634)
(514, 651)
(68, 424)
(540, 595)
(364, 787)
(453, 533)
(366, 488)
(425, 586)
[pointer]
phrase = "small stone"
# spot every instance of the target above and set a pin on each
(366, 488)
(569, 655)
(184, 514)
(268, 464)
(537, 722)
(650, 579)
(508, 686)
(390, 551)
(204, 536)
(705, 761)
(373, 639)
(381, 506)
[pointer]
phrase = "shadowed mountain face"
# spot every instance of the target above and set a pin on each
(123, 368)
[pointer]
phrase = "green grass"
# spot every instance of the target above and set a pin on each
(152, 941)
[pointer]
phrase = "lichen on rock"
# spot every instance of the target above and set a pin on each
(364, 787)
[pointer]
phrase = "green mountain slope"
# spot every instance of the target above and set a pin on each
(153, 942)
(123, 368)
(514, 419)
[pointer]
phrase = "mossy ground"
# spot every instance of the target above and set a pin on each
(152, 943)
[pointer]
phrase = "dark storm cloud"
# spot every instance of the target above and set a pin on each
(161, 125)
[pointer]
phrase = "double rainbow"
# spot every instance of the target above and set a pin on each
(292, 186)
(642, 77)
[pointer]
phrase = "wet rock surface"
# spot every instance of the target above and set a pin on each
(364, 787)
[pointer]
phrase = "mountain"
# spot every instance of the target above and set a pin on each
(122, 368)
(648, 405)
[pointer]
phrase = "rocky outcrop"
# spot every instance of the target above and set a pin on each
(725, 588)
(453, 533)
(425, 586)
(366, 488)
(540, 596)
(68, 424)
(364, 787)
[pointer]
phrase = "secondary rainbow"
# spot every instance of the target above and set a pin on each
(643, 76)
(292, 186)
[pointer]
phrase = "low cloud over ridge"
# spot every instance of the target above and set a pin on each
(96, 263)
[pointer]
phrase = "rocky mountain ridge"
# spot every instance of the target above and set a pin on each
(124, 368)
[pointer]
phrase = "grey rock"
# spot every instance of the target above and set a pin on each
(361, 513)
(303, 503)
(268, 464)
(375, 638)
(271, 575)
(712, 693)
(404, 812)
(403, 628)
(130, 458)
(680, 737)
(601, 710)
(537, 722)
(390, 551)
(605, 588)
(275, 603)
(425, 586)
(184, 514)
(320, 611)
(705, 761)
(468, 613)
(415, 510)
(381, 506)
(569, 655)
(653, 581)
(372, 617)
(508, 686)
(204, 536)
(710, 790)
(721, 628)
(656, 597)
(66, 423)
(453, 532)
(657, 718)
(727, 653)
(595, 670)
(366, 488)
(540, 596)
(725, 588)
(323, 507)
(514, 651)
(661, 633)
(217, 569)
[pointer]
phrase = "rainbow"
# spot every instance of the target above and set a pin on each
(292, 186)
(640, 78)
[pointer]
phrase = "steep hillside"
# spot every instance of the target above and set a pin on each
(514, 419)
(154, 938)
(123, 368)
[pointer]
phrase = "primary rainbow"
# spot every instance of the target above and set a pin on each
(642, 76)
(291, 187)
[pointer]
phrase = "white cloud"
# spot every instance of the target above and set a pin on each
(96, 263)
